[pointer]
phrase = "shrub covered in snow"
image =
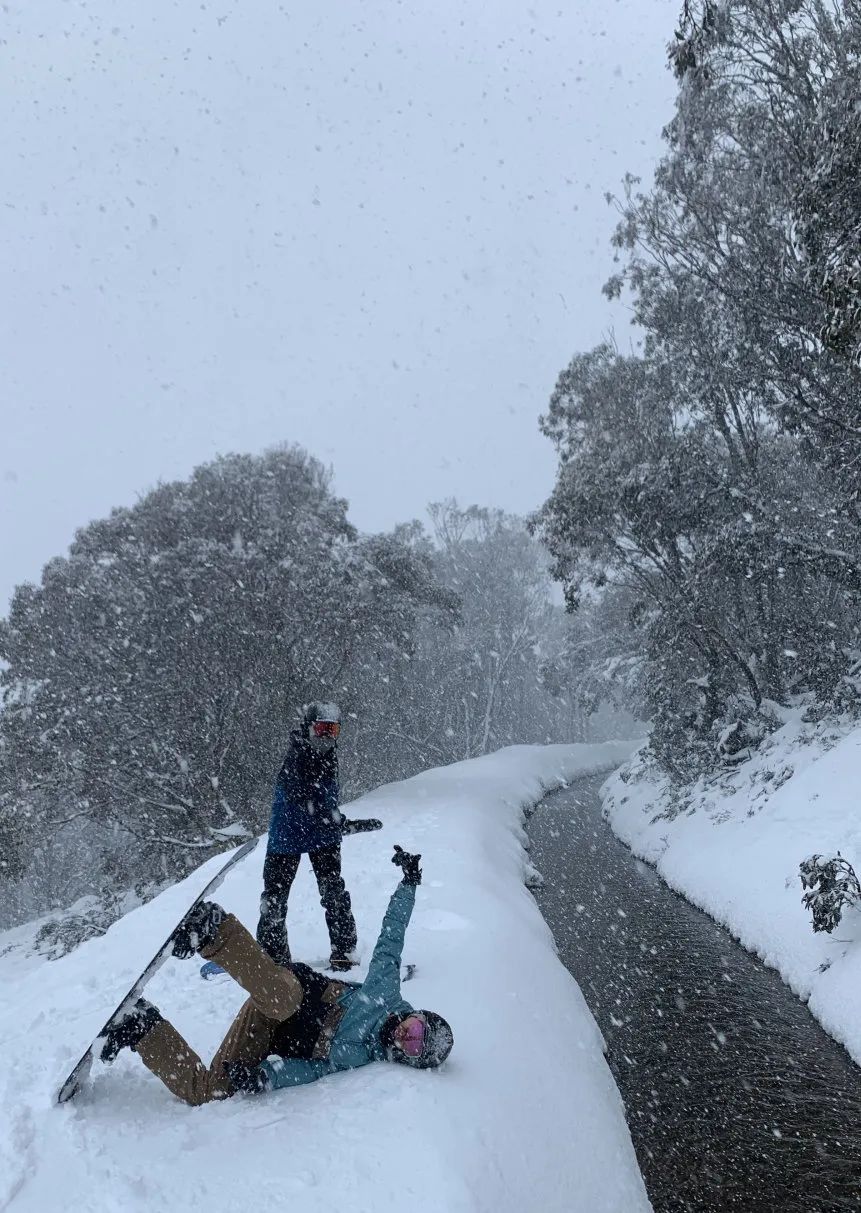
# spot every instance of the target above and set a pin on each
(832, 886)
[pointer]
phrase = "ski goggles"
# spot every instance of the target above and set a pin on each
(325, 728)
(410, 1036)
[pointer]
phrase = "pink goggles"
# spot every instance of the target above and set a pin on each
(410, 1036)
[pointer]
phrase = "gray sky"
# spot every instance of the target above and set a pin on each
(377, 229)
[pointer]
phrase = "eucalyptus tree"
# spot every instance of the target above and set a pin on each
(152, 676)
(716, 476)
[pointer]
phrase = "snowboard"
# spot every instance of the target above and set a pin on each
(211, 970)
(81, 1072)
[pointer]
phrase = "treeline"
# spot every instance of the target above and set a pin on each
(153, 675)
(710, 482)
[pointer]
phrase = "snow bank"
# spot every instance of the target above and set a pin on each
(734, 845)
(524, 1116)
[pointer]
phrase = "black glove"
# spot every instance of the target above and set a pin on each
(409, 865)
(362, 826)
(244, 1077)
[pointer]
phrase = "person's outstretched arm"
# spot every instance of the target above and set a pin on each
(383, 983)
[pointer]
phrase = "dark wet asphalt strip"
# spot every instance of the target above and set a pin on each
(735, 1097)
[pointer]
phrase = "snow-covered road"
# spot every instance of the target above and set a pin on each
(524, 1116)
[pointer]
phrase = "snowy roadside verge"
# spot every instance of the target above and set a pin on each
(524, 1116)
(732, 846)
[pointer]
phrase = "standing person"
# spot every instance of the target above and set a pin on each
(306, 819)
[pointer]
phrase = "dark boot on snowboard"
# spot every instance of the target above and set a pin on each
(198, 929)
(130, 1029)
(274, 943)
(341, 962)
(272, 930)
(282, 955)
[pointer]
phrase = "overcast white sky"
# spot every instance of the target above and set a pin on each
(376, 229)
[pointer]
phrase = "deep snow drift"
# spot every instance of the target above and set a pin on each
(733, 844)
(524, 1116)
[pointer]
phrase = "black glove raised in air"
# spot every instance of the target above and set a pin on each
(409, 864)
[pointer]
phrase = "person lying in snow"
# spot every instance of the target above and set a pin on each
(297, 1025)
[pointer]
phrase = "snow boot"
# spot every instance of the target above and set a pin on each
(274, 944)
(272, 930)
(198, 929)
(341, 962)
(130, 1029)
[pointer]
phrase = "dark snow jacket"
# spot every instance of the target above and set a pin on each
(308, 1033)
(305, 813)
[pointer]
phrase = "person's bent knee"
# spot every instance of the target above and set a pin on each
(198, 1097)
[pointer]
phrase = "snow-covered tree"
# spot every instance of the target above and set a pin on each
(717, 474)
(827, 212)
(152, 676)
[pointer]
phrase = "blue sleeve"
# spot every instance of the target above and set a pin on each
(292, 1072)
(277, 818)
(288, 776)
(332, 792)
(383, 983)
(327, 795)
(279, 795)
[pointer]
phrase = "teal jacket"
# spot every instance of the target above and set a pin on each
(357, 1040)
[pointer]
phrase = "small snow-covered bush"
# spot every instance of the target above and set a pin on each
(832, 886)
(63, 934)
(744, 726)
(87, 918)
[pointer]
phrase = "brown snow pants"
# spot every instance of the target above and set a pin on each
(275, 996)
